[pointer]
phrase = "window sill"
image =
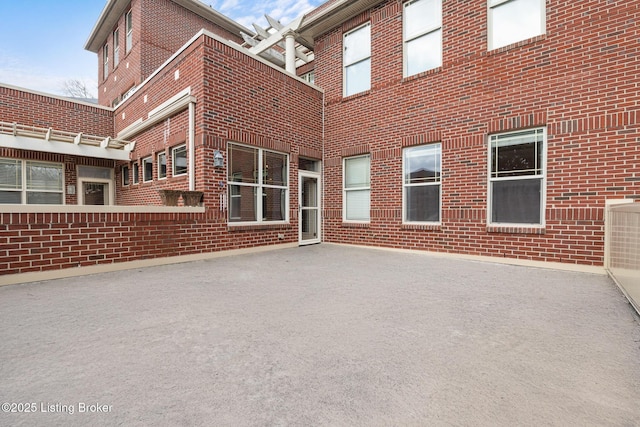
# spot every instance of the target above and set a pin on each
(422, 74)
(355, 95)
(516, 229)
(356, 224)
(516, 45)
(257, 226)
(436, 226)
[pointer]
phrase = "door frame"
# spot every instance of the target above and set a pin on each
(317, 176)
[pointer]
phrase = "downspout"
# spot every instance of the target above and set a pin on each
(323, 177)
(192, 146)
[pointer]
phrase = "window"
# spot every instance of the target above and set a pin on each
(516, 179)
(258, 184)
(128, 18)
(422, 176)
(511, 21)
(179, 160)
(31, 182)
(105, 61)
(125, 175)
(162, 165)
(422, 36)
(357, 189)
(116, 48)
(147, 169)
(357, 60)
(136, 173)
(310, 77)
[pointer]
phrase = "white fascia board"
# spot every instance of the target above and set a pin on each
(35, 144)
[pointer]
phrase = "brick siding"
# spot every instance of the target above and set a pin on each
(579, 80)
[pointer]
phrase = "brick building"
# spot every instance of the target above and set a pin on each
(495, 128)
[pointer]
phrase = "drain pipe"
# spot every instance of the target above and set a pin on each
(192, 146)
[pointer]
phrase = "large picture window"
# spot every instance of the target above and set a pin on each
(422, 32)
(357, 189)
(517, 177)
(258, 184)
(511, 21)
(422, 176)
(357, 60)
(28, 182)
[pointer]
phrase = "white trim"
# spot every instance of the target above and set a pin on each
(317, 176)
(344, 189)
(405, 185)
(542, 176)
(36, 144)
(493, 4)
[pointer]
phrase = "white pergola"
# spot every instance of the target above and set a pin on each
(49, 140)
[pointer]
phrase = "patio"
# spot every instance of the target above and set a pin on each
(321, 335)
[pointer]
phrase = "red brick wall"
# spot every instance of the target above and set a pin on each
(160, 28)
(580, 80)
(52, 241)
(32, 109)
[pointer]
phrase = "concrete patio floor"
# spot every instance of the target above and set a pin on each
(321, 335)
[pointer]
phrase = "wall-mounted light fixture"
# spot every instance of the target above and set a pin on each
(218, 159)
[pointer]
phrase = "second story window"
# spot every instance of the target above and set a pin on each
(105, 61)
(357, 60)
(116, 48)
(128, 18)
(422, 34)
(511, 21)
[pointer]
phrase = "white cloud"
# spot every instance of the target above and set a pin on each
(247, 12)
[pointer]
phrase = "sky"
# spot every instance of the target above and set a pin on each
(42, 41)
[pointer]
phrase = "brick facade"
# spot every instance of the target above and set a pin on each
(579, 81)
(165, 28)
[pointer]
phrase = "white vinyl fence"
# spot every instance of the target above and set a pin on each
(622, 247)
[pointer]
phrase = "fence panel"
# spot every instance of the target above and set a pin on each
(622, 254)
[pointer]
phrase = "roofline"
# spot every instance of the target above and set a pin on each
(331, 14)
(60, 97)
(114, 9)
(229, 43)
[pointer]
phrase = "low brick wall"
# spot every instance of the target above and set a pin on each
(40, 240)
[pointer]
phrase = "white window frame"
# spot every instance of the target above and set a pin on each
(258, 187)
(136, 173)
(145, 162)
(126, 179)
(179, 148)
(82, 179)
(162, 155)
(492, 5)
(356, 61)
(345, 190)
(542, 176)
(427, 31)
(116, 48)
(105, 61)
(24, 190)
(435, 182)
(128, 23)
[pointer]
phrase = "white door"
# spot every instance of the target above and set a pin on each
(309, 216)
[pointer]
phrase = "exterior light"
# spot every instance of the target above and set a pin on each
(218, 159)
